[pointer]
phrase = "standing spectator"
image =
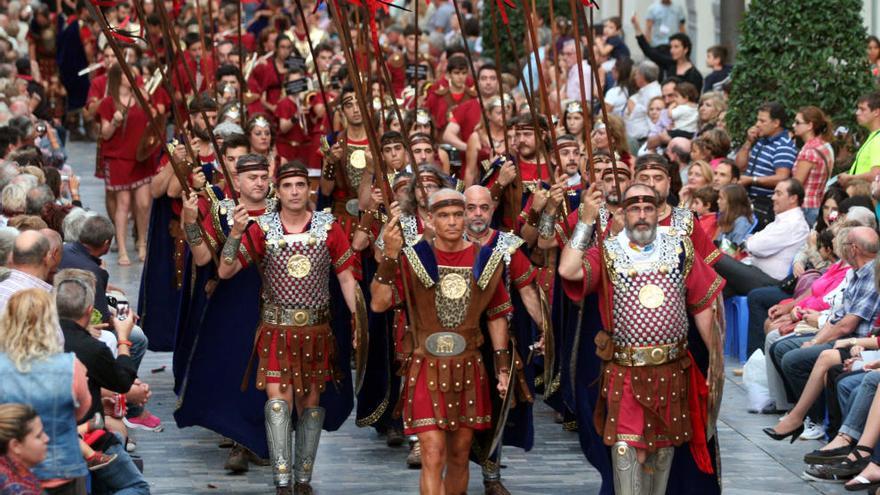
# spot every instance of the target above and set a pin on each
(867, 163)
(570, 66)
(874, 57)
(31, 264)
(816, 158)
(677, 62)
(663, 20)
(716, 59)
(23, 445)
(636, 114)
(624, 85)
(766, 158)
(36, 371)
(441, 19)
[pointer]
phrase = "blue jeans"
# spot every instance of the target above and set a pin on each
(856, 393)
(120, 477)
(138, 350)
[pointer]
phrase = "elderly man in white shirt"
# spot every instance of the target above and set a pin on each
(573, 81)
(636, 115)
(772, 250)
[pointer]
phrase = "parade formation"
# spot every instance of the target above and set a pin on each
(426, 225)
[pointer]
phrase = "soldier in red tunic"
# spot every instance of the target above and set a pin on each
(297, 249)
(450, 282)
(444, 99)
(653, 396)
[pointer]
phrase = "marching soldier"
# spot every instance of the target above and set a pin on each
(651, 388)
(450, 282)
(298, 351)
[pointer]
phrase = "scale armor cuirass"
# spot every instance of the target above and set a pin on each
(352, 172)
(297, 266)
(649, 303)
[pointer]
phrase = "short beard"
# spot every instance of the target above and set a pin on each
(478, 227)
(642, 237)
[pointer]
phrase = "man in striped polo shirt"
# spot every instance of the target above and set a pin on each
(765, 159)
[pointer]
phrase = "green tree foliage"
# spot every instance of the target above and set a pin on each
(517, 28)
(805, 52)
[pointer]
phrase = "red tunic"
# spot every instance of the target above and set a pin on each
(471, 401)
(467, 116)
(265, 80)
(293, 143)
(441, 106)
(123, 171)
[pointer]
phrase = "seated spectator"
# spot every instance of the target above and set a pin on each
(31, 265)
(14, 201)
(94, 241)
(7, 240)
(27, 222)
(816, 158)
(705, 206)
(75, 296)
(23, 445)
(37, 198)
(765, 159)
(37, 372)
(726, 172)
(770, 251)
(735, 218)
(794, 357)
(711, 146)
(636, 114)
(808, 258)
(858, 187)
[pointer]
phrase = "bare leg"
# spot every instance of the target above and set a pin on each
(309, 400)
(120, 218)
(815, 385)
(433, 458)
(142, 202)
(110, 203)
(457, 452)
(273, 391)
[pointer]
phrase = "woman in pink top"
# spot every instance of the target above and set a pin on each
(816, 158)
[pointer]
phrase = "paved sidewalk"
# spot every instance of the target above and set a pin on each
(354, 460)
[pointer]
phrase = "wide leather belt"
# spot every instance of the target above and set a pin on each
(276, 315)
(445, 344)
(650, 355)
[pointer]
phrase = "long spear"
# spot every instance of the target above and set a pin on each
(467, 53)
(513, 208)
(591, 57)
(587, 111)
(241, 108)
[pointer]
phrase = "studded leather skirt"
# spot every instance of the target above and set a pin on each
(299, 357)
(446, 393)
(645, 406)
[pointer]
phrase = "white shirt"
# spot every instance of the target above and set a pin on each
(573, 84)
(773, 249)
(637, 122)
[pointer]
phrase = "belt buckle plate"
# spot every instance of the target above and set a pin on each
(445, 344)
(657, 356)
(300, 317)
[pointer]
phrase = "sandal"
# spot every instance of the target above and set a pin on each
(123, 260)
(861, 483)
(829, 456)
(852, 467)
(142, 251)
